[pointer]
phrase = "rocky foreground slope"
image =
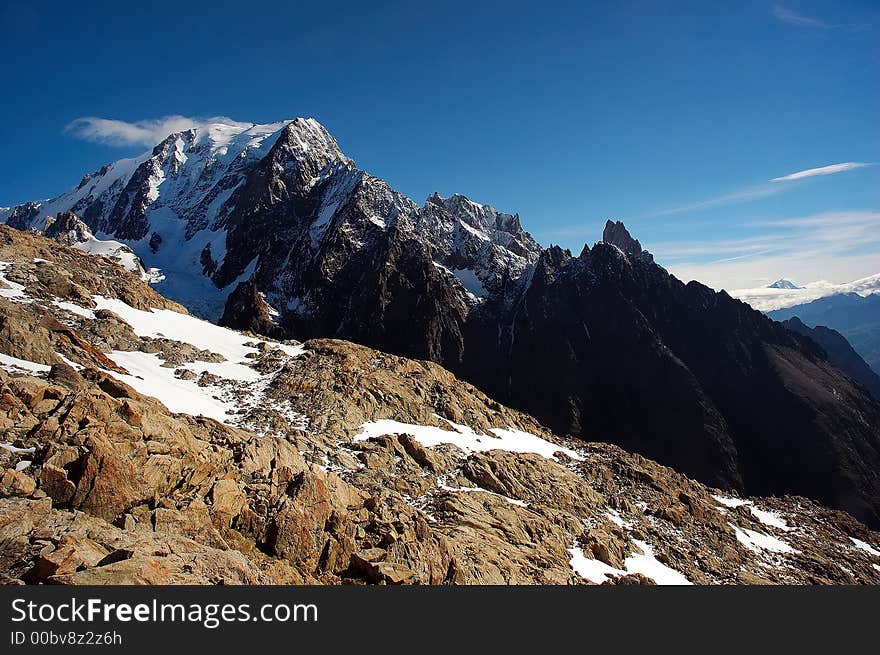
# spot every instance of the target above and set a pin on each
(141, 445)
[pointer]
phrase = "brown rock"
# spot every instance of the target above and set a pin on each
(388, 573)
(16, 483)
(632, 579)
(54, 482)
(140, 570)
(607, 546)
(228, 500)
(108, 483)
(70, 555)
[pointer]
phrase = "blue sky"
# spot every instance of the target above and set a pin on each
(672, 116)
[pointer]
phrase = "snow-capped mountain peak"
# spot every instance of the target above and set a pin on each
(783, 284)
(211, 205)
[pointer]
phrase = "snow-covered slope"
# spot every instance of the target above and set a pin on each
(766, 299)
(223, 383)
(68, 229)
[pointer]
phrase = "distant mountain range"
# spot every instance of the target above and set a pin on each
(854, 316)
(840, 352)
(784, 293)
(273, 229)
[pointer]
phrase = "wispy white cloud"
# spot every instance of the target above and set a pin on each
(759, 191)
(822, 170)
(793, 18)
(142, 133)
(743, 195)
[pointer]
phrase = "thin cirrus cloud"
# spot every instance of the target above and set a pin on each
(743, 195)
(762, 190)
(793, 18)
(139, 133)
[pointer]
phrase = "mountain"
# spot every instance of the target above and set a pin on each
(280, 204)
(839, 352)
(273, 229)
(783, 284)
(856, 317)
(141, 445)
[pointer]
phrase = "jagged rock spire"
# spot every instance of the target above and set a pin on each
(616, 234)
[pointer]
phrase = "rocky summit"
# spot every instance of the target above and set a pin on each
(142, 445)
(272, 229)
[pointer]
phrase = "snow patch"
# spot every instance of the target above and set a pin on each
(648, 565)
(471, 282)
(773, 519)
(472, 230)
(74, 308)
(731, 502)
(14, 364)
(767, 517)
(758, 542)
(593, 570)
(149, 377)
(11, 289)
(188, 329)
(865, 546)
(645, 563)
(16, 450)
(466, 439)
(512, 501)
(114, 250)
(239, 387)
(616, 519)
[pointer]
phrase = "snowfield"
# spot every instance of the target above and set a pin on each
(861, 545)
(234, 388)
(188, 329)
(241, 387)
(149, 377)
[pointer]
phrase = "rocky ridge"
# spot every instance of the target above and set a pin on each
(328, 462)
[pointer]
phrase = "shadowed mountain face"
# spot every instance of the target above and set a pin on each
(295, 240)
(609, 346)
(840, 353)
(856, 317)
